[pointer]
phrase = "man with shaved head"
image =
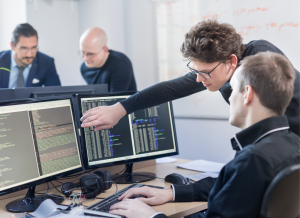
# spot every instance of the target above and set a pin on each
(102, 65)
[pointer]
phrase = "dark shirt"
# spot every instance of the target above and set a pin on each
(267, 148)
(187, 85)
(117, 72)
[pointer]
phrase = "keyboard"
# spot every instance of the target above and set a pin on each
(101, 208)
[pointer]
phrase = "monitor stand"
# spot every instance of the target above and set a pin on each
(30, 203)
(129, 177)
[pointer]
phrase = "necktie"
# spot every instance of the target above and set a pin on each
(20, 80)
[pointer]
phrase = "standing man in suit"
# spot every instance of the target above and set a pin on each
(102, 65)
(28, 67)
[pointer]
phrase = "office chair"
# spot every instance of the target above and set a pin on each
(282, 198)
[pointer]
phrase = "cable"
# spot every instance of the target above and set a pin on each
(55, 187)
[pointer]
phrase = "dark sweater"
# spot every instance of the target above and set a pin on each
(117, 72)
(187, 85)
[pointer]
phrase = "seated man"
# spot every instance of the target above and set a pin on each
(104, 66)
(28, 67)
(262, 88)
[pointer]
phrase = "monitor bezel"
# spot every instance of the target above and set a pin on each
(59, 175)
(121, 162)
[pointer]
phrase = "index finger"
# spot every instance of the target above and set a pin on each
(90, 111)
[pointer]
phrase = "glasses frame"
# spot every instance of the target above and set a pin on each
(202, 73)
(89, 55)
(25, 50)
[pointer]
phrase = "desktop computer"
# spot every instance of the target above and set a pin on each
(38, 143)
(143, 135)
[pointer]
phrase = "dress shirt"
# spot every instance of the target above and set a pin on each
(14, 72)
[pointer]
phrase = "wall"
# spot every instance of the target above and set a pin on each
(107, 14)
(57, 26)
(205, 139)
(140, 41)
(9, 20)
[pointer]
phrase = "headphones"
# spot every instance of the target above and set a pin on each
(91, 184)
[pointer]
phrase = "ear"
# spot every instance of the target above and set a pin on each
(12, 46)
(233, 61)
(106, 49)
(248, 95)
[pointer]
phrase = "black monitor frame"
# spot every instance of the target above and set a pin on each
(34, 92)
(7, 94)
(128, 162)
(31, 185)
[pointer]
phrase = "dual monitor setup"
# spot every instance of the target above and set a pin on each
(41, 140)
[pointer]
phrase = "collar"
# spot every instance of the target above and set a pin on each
(14, 63)
(259, 130)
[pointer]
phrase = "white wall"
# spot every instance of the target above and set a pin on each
(140, 41)
(12, 13)
(205, 139)
(106, 14)
(57, 25)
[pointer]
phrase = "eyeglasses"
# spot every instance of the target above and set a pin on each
(205, 75)
(25, 50)
(88, 54)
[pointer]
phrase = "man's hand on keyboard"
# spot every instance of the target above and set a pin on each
(132, 208)
(154, 196)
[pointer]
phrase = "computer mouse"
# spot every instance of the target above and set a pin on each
(176, 178)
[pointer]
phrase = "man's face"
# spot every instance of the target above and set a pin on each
(219, 76)
(25, 49)
(237, 107)
(93, 57)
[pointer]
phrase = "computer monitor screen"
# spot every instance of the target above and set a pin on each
(38, 143)
(143, 135)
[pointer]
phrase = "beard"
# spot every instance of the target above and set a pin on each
(25, 60)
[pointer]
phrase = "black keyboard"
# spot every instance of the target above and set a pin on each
(101, 208)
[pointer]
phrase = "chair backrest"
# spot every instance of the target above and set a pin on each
(282, 198)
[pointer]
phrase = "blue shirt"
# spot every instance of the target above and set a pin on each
(14, 72)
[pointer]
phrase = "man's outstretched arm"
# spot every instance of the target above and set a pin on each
(104, 117)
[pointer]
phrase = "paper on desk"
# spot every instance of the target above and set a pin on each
(46, 208)
(74, 213)
(197, 177)
(203, 166)
(165, 160)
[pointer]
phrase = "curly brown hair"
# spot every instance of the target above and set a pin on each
(210, 41)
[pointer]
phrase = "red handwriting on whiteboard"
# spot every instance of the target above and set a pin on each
(245, 30)
(290, 24)
(212, 15)
(271, 25)
(248, 11)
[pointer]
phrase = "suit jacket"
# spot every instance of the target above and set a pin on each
(42, 70)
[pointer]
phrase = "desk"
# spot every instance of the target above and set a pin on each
(172, 210)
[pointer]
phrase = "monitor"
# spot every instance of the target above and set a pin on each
(38, 143)
(6, 94)
(34, 92)
(143, 135)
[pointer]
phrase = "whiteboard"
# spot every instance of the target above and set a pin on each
(274, 20)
